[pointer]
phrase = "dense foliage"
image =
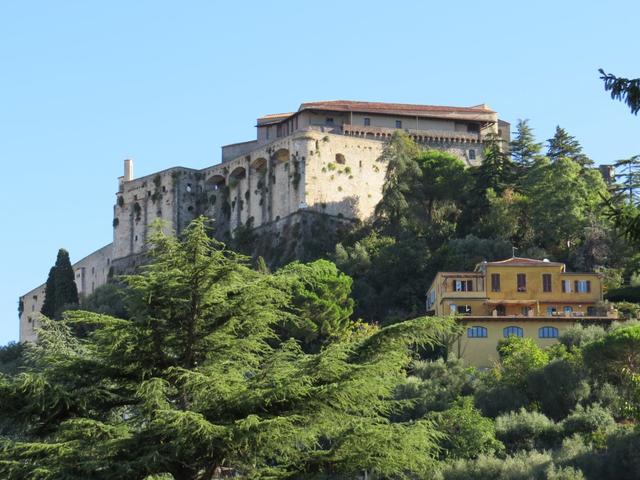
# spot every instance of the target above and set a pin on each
(437, 214)
(198, 380)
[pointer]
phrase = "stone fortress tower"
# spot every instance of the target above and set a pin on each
(322, 161)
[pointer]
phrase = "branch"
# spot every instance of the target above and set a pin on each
(623, 89)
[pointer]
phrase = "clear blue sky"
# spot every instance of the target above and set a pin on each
(84, 85)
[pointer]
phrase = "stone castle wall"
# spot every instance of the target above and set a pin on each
(283, 189)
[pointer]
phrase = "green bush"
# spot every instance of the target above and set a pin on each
(520, 466)
(577, 336)
(558, 387)
(523, 430)
(587, 421)
(434, 386)
(467, 433)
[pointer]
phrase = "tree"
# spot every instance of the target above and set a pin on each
(402, 173)
(630, 176)
(60, 291)
(197, 383)
(563, 145)
(496, 171)
(623, 89)
(321, 302)
(562, 196)
(524, 149)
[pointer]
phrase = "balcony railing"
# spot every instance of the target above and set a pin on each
(384, 133)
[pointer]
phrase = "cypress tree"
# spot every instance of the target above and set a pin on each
(61, 289)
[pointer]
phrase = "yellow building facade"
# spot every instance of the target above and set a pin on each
(524, 297)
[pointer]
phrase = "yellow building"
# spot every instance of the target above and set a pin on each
(519, 296)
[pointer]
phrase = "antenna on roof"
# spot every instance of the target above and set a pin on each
(513, 252)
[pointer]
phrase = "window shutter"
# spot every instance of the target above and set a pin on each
(588, 286)
(575, 284)
(564, 286)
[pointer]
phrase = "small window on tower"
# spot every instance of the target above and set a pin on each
(472, 154)
(398, 123)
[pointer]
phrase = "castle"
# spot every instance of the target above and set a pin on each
(322, 161)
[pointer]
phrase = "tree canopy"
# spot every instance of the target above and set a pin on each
(198, 381)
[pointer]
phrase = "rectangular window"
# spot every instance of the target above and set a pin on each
(464, 309)
(367, 121)
(495, 282)
(566, 286)
(546, 282)
(522, 282)
(398, 123)
(583, 286)
(472, 154)
(463, 286)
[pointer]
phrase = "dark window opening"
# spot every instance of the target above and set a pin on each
(398, 123)
(495, 282)
(367, 122)
(522, 282)
(546, 282)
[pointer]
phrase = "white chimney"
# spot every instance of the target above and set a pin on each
(128, 170)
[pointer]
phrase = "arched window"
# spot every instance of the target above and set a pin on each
(512, 332)
(477, 332)
(547, 332)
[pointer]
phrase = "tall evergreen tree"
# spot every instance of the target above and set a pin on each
(524, 148)
(628, 180)
(198, 383)
(496, 171)
(563, 145)
(60, 290)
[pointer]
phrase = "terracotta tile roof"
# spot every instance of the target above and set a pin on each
(273, 118)
(478, 112)
(521, 261)
(398, 108)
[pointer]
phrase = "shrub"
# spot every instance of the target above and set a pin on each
(525, 430)
(577, 336)
(558, 387)
(467, 433)
(521, 466)
(494, 398)
(435, 385)
(588, 420)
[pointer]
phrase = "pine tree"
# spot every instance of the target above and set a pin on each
(524, 148)
(629, 175)
(563, 145)
(198, 383)
(60, 290)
